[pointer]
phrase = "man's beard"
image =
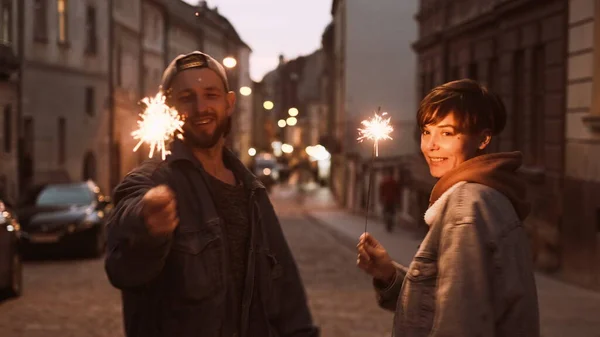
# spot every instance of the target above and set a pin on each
(202, 139)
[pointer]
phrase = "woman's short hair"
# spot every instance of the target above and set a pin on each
(475, 108)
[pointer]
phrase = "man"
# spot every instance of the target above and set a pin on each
(388, 196)
(193, 242)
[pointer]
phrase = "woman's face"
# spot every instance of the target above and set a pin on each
(445, 148)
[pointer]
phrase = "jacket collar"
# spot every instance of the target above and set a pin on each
(433, 211)
(181, 152)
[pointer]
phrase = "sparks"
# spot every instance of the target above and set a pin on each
(158, 125)
(376, 129)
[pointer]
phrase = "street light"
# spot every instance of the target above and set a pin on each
(229, 62)
(287, 148)
(245, 91)
(291, 121)
(293, 112)
(281, 123)
(268, 105)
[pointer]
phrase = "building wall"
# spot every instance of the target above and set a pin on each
(581, 225)
(213, 43)
(9, 173)
(182, 40)
(127, 82)
(56, 77)
(244, 106)
(153, 47)
(519, 52)
(370, 74)
(380, 72)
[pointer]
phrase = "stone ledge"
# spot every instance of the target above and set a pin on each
(592, 122)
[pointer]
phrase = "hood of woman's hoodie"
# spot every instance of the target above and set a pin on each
(496, 170)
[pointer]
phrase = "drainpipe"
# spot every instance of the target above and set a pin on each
(112, 175)
(19, 117)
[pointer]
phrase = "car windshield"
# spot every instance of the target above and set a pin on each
(65, 196)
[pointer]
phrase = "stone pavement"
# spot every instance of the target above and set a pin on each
(565, 310)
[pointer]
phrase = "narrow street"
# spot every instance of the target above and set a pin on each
(72, 298)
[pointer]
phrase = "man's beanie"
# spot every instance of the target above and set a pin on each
(194, 59)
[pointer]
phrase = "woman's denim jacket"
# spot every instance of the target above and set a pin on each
(471, 276)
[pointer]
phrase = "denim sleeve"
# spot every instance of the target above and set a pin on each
(134, 257)
(387, 294)
(295, 319)
(463, 293)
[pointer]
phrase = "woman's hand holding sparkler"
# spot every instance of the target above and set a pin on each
(159, 210)
(375, 260)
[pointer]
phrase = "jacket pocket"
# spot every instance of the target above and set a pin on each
(418, 292)
(271, 275)
(198, 262)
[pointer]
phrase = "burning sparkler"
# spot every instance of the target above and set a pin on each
(158, 125)
(377, 128)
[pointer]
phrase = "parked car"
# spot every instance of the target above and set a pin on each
(72, 214)
(11, 267)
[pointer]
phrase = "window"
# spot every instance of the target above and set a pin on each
(119, 65)
(40, 22)
(598, 220)
(157, 26)
(455, 73)
(6, 25)
(536, 127)
(473, 71)
(8, 128)
(62, 140)
(28, 135)
(90, 101)
(68, 195)
(63, 27)
(90, 26)
(492, 74)
(518, 95)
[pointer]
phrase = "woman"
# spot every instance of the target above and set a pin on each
(472, 275)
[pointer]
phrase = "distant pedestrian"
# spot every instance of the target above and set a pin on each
(193, 241)
(389, 193)
(473, 273)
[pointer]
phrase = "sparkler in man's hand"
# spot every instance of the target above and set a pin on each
(377, 128)
(158, 125)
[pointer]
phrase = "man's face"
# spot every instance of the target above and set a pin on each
(199, 96)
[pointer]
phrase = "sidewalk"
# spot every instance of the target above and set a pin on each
(565, 310)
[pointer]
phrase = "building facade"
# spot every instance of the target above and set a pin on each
(221, 40)
(371, 73)
(580, 228)
(153, 46)
(9, 100)
(64, 90)
(518, 49)
(127, 84)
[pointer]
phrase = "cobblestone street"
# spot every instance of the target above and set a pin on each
(70, 297)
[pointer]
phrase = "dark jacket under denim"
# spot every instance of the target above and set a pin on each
(176, 286)
(472, 276)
